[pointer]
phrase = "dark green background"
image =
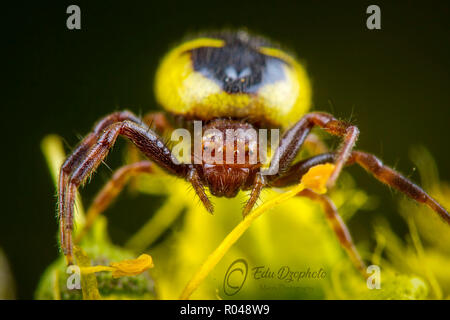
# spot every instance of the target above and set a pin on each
(394, 82)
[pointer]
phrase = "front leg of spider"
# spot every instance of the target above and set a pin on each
(92, 151)
(294, 138)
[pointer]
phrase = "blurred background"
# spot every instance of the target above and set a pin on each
(393, 83)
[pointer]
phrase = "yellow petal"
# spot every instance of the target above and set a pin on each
(132, 267)
(316, 178)
(94, 269)
(232, 237)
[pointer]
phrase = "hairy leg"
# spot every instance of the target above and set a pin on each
(259, 184)
(91, 152)
(196, 182)
(294, 174)
(111, 190)
(293, 139)
(338, 226)
(394, 179)
(76, 158)
(158, 122)
(371, 164)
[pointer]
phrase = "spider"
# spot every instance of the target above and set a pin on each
(228, 80)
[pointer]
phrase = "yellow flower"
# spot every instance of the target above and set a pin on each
(193, 257)
(123, 268)
(284, 236)
(316, 178)
(132, 267)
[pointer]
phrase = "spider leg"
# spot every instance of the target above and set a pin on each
(111, 190)
(294, 174)
(158, 122)
(371, 164)
(260, 181)
(294, 138)
(91, 152)
(338, 227)
(259, 184)
(162, 125)
(74, 160)
(394, 179)
(196, 182)
(289, 177)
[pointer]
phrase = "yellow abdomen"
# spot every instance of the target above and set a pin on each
(233, 75)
